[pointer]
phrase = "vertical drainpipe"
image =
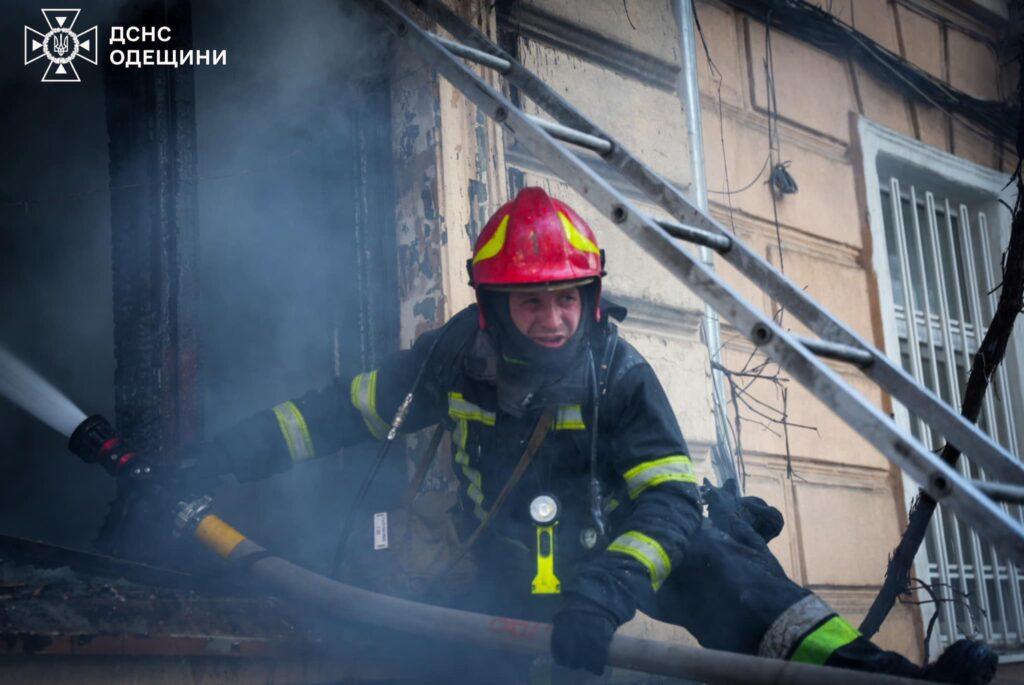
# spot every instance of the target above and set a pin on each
(689, 91)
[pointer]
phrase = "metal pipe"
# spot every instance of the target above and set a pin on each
(524, 637)
(689, 91)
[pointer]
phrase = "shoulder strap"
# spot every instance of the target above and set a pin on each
(540, 431)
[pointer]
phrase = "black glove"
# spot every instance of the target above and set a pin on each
(737, 516)
(965, 662)
(583, 630)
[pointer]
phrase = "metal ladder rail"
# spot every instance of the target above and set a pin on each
(837, 341)
(937, 478)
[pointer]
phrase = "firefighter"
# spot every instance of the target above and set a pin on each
(604, 503)
(539, 340)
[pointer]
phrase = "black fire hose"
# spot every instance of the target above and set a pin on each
(95, 441)
(495, 632)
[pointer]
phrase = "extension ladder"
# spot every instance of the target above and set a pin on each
(975, 502)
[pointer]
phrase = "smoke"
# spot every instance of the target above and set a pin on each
(286, 150)
(294, 152)
(37, 396)
(284, 158)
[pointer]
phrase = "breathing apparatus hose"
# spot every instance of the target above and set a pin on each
(596, 496)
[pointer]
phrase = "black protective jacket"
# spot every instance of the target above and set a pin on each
(650, 492)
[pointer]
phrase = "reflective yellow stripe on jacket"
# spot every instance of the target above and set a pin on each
(464, 411)
(363, 394)
(460, 408)
(647, 551)
(651, 473)
(295, 432)
(569, 418)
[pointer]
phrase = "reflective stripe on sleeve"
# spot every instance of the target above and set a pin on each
(569, 418)
(461, 408)
(647, 551)
(295, 432)
(363, 394)
(817, 647)
(651, 473)
(808, 630)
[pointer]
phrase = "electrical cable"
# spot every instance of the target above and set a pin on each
(997, 120)
(748, 186)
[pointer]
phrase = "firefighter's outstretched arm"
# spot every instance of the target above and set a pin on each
(649, 453)
(346, 412)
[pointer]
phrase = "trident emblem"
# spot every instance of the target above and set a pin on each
(60, 45)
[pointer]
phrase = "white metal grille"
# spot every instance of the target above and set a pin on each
(944, 264)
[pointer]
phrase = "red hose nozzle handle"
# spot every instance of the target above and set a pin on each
(95, 442)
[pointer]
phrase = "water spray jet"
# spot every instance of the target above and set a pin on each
(33, 393)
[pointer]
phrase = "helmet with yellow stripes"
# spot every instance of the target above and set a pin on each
(535, 242)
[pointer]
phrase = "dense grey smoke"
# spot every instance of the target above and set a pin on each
(293, 144)
(285, 164)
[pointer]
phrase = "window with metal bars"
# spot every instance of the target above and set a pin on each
(943, 246)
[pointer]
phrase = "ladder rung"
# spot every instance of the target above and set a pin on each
(833, 350)
(474, 55)
(1001, 492)
(571, 135)
(718, 243)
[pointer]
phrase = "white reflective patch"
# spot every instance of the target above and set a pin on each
(380, 530)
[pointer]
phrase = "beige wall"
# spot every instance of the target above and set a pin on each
(843, 503)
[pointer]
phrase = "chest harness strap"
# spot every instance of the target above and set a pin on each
(540, 431)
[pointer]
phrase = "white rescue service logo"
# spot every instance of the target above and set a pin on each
(60, 45)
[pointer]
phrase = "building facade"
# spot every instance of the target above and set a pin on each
(852, 142)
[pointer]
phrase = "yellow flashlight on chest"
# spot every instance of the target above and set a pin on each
(544, 512)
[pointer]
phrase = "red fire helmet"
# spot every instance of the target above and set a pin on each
(535, 241)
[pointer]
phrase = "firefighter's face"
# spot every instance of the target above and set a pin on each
(547, 318)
